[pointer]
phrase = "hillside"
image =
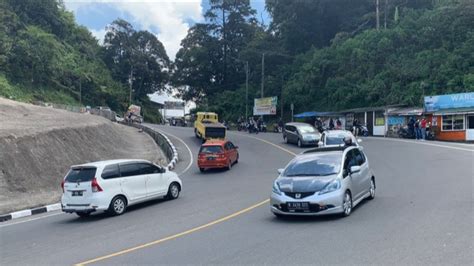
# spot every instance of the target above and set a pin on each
(39, 144)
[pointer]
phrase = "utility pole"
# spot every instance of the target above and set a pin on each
(263, 75)
(130, 83)
(80, 90)
(281, 102)
(385, 14)
(246, 88)
(377, 14)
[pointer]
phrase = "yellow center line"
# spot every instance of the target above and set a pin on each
(223, 219)
(268, 142)
(190, 231)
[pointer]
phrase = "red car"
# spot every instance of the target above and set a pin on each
(217, 154)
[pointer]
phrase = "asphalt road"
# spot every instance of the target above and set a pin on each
(423, 214)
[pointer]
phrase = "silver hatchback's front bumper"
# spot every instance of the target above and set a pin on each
(330, 203)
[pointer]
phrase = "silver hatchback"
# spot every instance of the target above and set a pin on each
(301, 134)
(323, 181)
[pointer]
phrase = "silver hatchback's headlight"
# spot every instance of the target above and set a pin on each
(276, 188)
(332, 186)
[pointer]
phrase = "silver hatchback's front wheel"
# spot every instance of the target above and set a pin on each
(372, 189)
(347, 204)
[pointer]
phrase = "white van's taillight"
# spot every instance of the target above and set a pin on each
(62, 185)
(95, 186)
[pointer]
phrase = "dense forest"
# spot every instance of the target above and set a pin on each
(327, 55)
(322, 55)
(46, 56)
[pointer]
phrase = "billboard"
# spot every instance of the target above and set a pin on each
(265, 106)
(449, 101)
(177, 105)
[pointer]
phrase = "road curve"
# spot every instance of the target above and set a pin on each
(422, 214)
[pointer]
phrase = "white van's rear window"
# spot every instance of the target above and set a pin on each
(84, 174)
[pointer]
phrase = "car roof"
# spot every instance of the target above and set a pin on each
(338, 132)
(297, 124)
(214, 142)
(108, 162)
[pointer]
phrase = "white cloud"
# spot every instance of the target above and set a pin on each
(98, 34)
(168, 17)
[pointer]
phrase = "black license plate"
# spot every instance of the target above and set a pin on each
(76, 193)
(298, 206)
(211, 158)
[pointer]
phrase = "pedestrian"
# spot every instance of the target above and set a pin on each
(331, 124)
(417, 129)
(423, 128)
(411, 126)
(355, 127)
(338, 124)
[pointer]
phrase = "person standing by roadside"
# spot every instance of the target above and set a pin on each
(417, 129)
(355, 127)
(338, 124)
(423, 128)
(331, 124)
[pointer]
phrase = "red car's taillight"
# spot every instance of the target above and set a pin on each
(95, 186)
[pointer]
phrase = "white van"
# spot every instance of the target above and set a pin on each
(113, 185)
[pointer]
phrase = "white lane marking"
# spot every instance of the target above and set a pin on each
(32, 219)
(425, 143)
(187, 147)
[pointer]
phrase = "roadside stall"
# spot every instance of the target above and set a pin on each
(398, 119)
(452, 116)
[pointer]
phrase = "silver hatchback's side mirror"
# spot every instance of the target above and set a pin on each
(355, 169)
(280, 171)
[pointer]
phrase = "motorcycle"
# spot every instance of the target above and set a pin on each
(363, 131)
(252, 129)
(262, 127)
(277, 128)
(405, 133)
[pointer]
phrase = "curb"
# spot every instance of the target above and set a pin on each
(29, 212)
(174, 159)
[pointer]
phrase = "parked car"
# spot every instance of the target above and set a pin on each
(334, 138)
(217, 154)
(114, 185)
(301, 134)
(323, 181)
(118, 118)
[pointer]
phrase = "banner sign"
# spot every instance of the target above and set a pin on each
(174, 105)
(396, 120)
(265, 106)
(449, 101)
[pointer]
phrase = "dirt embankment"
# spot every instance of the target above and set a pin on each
(39, 144)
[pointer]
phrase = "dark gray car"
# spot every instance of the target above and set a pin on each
(301, 134)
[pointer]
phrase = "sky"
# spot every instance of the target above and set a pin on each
(169, 20)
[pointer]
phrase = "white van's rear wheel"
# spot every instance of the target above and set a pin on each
(118, 205)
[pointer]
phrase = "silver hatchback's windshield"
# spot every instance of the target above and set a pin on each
(306, 129)
(315, 165)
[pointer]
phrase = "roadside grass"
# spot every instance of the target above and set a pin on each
(23, 94)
